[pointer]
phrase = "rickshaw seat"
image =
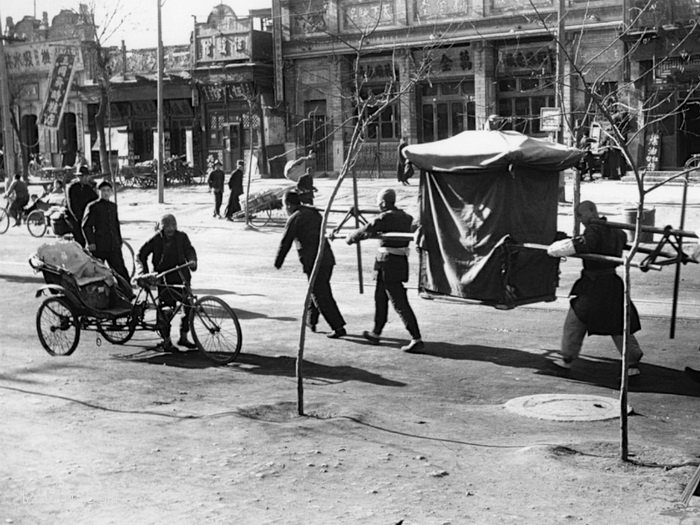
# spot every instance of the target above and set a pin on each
(69, 256)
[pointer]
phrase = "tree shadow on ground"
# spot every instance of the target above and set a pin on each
(602, 372)
(286, 366)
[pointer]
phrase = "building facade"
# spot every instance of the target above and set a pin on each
(457, 62)
(233, 87)
(39, 85)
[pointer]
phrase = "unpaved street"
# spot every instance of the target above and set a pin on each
(119, 434)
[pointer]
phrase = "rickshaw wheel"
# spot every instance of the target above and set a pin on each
(57, 327)
(216, 330)
(37, 223)
(116, 331)
(4, 221)
(261, 217)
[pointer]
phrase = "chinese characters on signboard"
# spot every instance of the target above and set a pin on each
(652, 157)
(58, 89)
(38, 57)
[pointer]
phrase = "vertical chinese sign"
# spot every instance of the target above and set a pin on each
(59, 87)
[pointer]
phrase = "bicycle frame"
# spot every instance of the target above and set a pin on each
(146, 298)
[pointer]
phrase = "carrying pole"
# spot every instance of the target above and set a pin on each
(677, 278)
(357, 225)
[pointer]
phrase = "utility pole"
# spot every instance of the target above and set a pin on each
(561, 57)
(161, 181)
(7, 133)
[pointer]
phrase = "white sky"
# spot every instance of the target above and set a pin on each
(139, 28)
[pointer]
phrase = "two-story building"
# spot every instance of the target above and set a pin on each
(232, 79)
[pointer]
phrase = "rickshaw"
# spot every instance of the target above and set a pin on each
(83, 293)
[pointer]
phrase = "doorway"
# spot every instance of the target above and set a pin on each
(689, 143)
(316, 134)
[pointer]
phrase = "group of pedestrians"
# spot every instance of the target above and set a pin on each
(216, 182)
(391, 265)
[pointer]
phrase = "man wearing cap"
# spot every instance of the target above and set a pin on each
(304, 228)
(103, 235)
(78, 194)
(235, 185)
(216, 183)
(169, 248)
(391, 267)
(597, 306)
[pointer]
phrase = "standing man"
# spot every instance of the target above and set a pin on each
(103, 235)
(391, 267)
(235, 185)
(304, 228)
(79, 194)
(170, 248)
(598, 303)
(21, 193)
(216, 183)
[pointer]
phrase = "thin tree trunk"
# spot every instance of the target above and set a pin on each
(349, 160)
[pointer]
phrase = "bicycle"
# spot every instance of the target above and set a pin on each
(35, 220)
(68, 309)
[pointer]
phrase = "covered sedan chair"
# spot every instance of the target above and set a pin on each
(482, 195)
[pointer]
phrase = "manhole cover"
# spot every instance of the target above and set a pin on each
(566, 407)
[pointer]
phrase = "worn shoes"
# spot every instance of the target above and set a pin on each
(183, 341)
(562, 363)
(371, 337)
(336, 334)
(167, 346)
(415, 346)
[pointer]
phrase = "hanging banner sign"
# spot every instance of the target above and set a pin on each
(59, 87)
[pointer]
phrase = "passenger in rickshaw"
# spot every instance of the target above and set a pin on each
(169, 248)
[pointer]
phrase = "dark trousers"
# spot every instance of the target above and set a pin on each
(116, 262)
(233, 205)
(218, 197)
(168, 299)
(16, 208)
(77, 229)
(396, 292)
(323, 302)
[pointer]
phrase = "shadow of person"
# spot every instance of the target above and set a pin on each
(603, 372)
(286, 366)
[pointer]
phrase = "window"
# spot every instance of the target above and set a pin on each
(520, 100)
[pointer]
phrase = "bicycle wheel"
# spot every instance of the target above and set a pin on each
(129, 260)
(4, 221)
(117, 331)
(37, 223)
(57, 327)
(215, 329)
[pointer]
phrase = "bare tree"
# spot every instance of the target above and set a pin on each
(111, 20)
(367, 105)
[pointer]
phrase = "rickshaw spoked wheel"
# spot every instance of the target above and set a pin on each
(117, 331)
(57, 326)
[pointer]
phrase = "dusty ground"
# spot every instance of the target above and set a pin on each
(123, 434)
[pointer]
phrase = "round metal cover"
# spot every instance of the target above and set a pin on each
(566, 407)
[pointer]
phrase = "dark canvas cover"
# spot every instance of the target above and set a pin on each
(475, 214)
